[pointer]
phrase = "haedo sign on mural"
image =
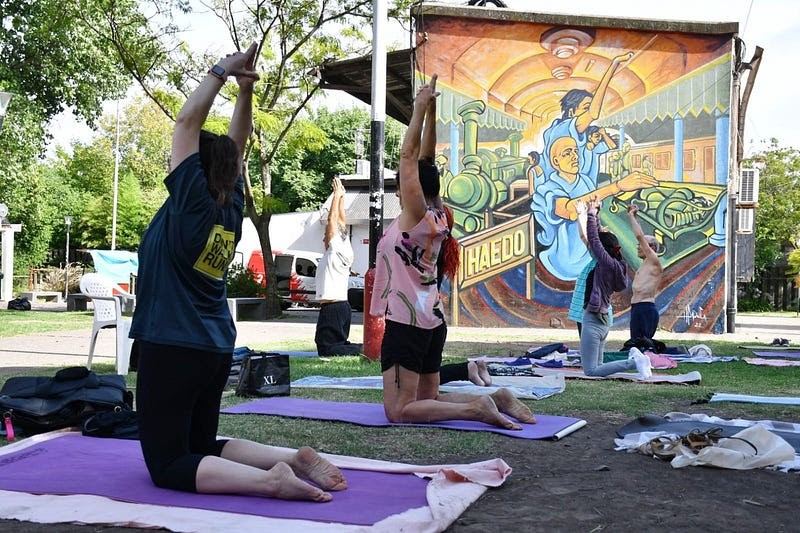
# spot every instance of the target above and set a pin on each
(495, 250)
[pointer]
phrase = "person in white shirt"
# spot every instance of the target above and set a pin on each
(333, 274)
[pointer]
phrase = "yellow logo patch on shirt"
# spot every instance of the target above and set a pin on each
(217, 254)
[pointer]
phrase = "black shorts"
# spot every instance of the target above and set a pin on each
(413, 348)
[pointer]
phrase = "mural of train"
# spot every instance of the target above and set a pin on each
(649, 119)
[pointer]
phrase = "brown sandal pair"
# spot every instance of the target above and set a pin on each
(665, 448)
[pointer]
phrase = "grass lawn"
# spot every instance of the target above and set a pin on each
(41, 321)
(615, 400)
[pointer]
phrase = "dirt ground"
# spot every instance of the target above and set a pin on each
(581, 484)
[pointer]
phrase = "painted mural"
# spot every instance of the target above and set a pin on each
(532, 116)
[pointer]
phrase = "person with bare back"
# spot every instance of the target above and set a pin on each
(414, 253)
(644, 314)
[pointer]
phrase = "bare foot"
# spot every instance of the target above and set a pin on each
(284, 484)
(474, 374)
(486, 411)
(483, 372)
(308, 464)
(508, 404)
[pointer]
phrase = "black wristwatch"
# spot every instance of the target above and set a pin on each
(218, 72)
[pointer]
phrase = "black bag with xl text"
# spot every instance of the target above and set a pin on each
(264, 374)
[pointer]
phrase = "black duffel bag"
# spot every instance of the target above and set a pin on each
(37, 404)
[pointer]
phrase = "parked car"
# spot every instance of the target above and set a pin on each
(296, 272)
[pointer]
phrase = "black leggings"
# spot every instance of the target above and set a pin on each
(178, 394)
(454, 372)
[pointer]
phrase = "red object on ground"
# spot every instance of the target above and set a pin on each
(256, 265)
(373, 325)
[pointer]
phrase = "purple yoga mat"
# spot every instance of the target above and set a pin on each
(371, 414)
(783, 354)
(74, 464)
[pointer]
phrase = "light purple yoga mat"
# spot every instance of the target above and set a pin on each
(74, 464)
(371, 414)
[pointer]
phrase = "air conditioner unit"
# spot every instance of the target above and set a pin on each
(748, 188)
(362, 167)
(746, 220)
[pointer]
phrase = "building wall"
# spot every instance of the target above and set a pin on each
(661, 101)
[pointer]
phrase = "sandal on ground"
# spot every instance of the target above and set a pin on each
(662, 447)
(696, 440)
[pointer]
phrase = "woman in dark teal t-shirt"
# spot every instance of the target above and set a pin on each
(182, 325)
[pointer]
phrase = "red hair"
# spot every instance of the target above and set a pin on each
(450, 249)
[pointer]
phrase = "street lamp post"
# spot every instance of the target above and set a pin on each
(68, 222)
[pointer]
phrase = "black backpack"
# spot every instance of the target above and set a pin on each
(37, 404)
(19, 304)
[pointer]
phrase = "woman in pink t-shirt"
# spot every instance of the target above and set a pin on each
(406, 291)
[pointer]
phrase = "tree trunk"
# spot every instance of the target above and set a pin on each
(273, 300)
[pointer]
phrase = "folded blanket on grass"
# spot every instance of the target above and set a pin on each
(104, 481)
(372, 414)
(531, 388)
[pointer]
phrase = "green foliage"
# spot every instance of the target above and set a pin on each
(794, 264)
(133, 215)
(22, 188)
(777, 223)
(753, 305)
(295, 36)
(53, 53)
(241, 283)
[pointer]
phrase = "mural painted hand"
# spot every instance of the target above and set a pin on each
(635, 181)
(622, 58)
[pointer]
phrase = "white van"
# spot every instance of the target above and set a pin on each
(296, 272)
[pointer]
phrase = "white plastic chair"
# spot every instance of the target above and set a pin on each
(108, 314)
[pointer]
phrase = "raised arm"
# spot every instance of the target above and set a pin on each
(649, 253)
(428, 147)
(566, 207)
(193, 114)
(242, 119)
(336, 217)
(412, 198)
(607, 138)
(585, 120)
(580, 209)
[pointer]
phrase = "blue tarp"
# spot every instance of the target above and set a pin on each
(117, 265)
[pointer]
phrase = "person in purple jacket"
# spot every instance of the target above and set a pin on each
(609, 276)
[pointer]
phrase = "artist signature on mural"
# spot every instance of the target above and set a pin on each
(690, 316)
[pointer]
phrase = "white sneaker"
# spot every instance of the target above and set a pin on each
(643, 364)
